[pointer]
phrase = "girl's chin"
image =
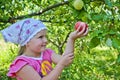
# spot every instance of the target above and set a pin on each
(43, 49)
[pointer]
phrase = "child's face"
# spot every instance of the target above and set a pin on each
(38, 43)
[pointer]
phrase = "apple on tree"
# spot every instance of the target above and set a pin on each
(81, 25)
(78, 4)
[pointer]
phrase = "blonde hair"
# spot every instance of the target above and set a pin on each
(21, 50)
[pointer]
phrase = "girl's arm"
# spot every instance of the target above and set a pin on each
(70, 44)
(28, 73)
(71, 40)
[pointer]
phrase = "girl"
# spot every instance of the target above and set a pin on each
(35, 60)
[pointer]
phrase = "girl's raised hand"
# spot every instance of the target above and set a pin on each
(77, 33)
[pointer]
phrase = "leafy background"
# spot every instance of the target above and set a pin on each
(97, 56)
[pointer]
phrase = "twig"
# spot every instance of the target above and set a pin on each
(34, 14)
(53, 43)
(65, 40)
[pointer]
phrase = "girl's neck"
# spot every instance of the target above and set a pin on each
(36, 55)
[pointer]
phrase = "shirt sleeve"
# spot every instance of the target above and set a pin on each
(15, 67)
(47, 54)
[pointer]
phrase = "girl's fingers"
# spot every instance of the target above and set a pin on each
(72, 57)
(69, 54)
(78, 28)
(82, 31)
(86, 32)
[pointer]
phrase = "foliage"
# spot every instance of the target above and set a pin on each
(99, 65)
(7, 54)
(102, 16)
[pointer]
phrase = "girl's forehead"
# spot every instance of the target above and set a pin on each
(42, 32)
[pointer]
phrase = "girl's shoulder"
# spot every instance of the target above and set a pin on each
(21, 59)
(16, 65)
(19, 63)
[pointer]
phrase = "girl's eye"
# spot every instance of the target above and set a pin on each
(40, 36)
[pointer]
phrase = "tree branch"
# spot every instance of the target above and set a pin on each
(12, 19)
(53, 42)
(65, 40)
(42, 11)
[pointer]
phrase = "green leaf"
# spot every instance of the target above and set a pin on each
(83, 15)
(118, 59)
(97, 17)
(118, 34)
(111, 32)
(109, 3)
(96, 33)
(116, 43)
(109, 42)
(95, 41)
(86, 1)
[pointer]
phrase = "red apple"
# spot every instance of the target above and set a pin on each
(81, 24)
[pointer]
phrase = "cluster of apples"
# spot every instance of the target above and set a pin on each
(82, 25)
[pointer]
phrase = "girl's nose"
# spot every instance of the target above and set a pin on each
(45, 39)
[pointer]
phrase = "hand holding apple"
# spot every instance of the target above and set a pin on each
(81, 25)
(81, 29)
